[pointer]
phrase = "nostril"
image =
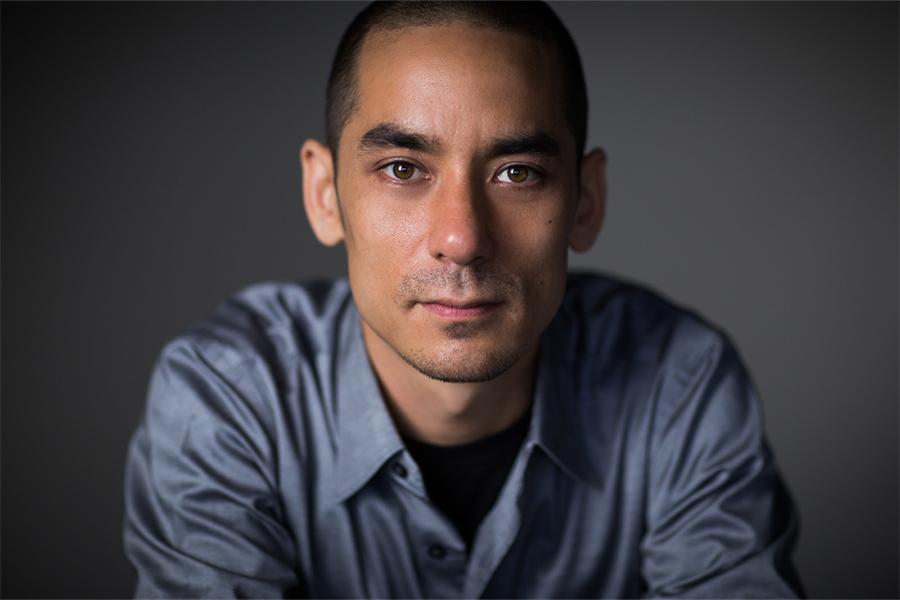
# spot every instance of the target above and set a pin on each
(461, 247)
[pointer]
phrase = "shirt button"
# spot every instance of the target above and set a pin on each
(437, 551)
(399, 469)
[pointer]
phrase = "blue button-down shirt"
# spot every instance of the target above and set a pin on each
(266, 464)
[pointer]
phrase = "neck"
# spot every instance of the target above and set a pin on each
(445, 413)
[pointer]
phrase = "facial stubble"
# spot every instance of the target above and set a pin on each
(462, 365)
(463, 368)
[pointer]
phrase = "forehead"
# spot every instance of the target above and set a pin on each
(458, 80)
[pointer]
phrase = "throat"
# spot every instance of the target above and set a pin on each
(446, 413)
(463, 481)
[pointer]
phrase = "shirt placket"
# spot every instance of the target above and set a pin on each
(440, 552)
(498, 530)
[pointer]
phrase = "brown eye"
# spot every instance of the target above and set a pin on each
(522, 175)
(402, 170)
(517, 173)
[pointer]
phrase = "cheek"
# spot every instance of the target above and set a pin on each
(382, 238)
(398, 225)
(540, 256)
(379, 223)
(539, 242)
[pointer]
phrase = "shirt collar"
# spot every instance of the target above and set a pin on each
(366, 434)
(560, 423)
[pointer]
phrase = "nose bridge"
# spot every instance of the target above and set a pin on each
(460, 228)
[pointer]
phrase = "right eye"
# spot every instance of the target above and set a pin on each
(401, 170)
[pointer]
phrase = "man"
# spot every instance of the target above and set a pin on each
(460, 418)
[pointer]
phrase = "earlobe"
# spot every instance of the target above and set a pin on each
(320, 193)
(591, 207)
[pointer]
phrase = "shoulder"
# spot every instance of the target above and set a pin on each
(238, 367)
(638, 352)
(610, 319)
(271, 321)
(652, 376)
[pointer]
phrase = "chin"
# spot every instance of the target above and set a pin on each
(463, 365)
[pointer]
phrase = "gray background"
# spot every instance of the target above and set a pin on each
(149, 170)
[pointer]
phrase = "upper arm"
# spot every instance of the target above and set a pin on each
(720, 522)
(203, 515)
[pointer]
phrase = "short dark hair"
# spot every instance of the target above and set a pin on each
(534, 19)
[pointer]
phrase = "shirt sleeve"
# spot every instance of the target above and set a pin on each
(720, 522)
(202, 512)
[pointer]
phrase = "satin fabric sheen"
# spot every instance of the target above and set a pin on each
(266, 464)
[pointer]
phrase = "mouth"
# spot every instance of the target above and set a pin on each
(456, 310)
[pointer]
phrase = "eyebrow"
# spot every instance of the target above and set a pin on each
(539, 143)
(391, 135)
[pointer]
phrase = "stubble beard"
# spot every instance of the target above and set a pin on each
(462, 369)
(459, 366)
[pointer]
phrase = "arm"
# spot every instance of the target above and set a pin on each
(720, 522)
(202, 514)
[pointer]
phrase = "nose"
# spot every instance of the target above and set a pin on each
(460, 227)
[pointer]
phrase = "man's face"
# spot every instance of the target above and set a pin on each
(457, 186)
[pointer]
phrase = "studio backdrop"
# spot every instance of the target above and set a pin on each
(149, 170)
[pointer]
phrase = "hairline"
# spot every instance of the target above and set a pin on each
(461, 18)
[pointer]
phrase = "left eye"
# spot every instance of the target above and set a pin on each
(517, 174)
(401, 170)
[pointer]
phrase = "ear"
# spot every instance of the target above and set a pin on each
(320, 193)
(591, 201)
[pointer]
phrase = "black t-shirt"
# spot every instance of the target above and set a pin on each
(464, 481)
